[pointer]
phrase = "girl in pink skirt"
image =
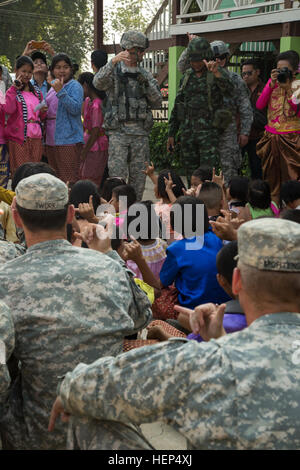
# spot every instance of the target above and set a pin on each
(24, 107)
(94, 154)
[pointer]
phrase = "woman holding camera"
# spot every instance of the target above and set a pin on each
(279, 148)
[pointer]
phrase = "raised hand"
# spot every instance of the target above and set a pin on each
(149, 171)
(123, 56)
(219, 179)
(58, 84)
(86, 210)
(212, 66)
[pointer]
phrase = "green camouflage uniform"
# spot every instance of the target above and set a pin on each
(68, 305)
(9, 250)
(131, 94)
(239, 104)
(199, 140)
(240, 391)
(7, 343)
(225, 394)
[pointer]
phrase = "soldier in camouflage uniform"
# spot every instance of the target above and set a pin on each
(232, 139)
(7, 343)
(68, 305)
(237, 391)
(131, 93)
(197, 105)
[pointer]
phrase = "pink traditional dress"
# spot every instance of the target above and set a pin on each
(154, 254)
(21, 107)
(279, 148)
(96, 160)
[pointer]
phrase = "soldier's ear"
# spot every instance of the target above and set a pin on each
(236, 281)
(70, 214)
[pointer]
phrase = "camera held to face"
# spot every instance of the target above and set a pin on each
(284, 75)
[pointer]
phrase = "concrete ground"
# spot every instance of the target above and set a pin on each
(163, 437)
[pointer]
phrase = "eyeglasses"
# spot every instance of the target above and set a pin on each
(220, 57)
(247, 73)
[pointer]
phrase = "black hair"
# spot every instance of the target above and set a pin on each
(75, 68)
(259, 194)
(29, 169)
(1, 69)
(291, 56)
(184, 204)
(109, 185)
(81, 192)
(99, 58)
(252, 62)
(125, 190)
(88, 77)
(290, 191)
(57, 58)
(204, 173)
(25, 60)
(291, 214)
(38, 55)
(211, 194)
(150, 229)
(36, 220)
(225, 260)
(161, 187)
(238, 188)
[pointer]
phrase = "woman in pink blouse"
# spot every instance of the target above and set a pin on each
(95, 151)
(23, 129)
(279, 148)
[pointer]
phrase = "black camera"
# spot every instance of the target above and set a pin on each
(284, 75)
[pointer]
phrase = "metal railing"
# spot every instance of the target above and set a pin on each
(204, 8)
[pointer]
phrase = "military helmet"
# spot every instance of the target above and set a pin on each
(219, 48)
(134, 39)
(199, 49)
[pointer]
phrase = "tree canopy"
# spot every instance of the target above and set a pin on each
(129, 14)
(67, 25)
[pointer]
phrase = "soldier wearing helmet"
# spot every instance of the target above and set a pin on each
(131, 94)
(232, 139)
(198, 112)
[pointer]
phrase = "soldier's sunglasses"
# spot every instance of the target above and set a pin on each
(220, 57)
(247, 73)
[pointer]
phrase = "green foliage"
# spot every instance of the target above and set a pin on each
(158, 149)
(126, 15)
(67, 25)
(6, 62)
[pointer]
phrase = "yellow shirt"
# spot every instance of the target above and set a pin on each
(7, 223)
(6, 195)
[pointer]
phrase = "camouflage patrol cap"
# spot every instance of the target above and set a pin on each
(270, 244)
(42, 192)
(134, 39)
(199, 49)
(219, 48)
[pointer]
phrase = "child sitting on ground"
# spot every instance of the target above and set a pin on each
(200, 176)
(259, 202)
(148, 235)
(191, 262)
(234, 318)
(237, 193)
(122, 198)
(85, 198)
(212, 196)
(168, 186)
(290, 194)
